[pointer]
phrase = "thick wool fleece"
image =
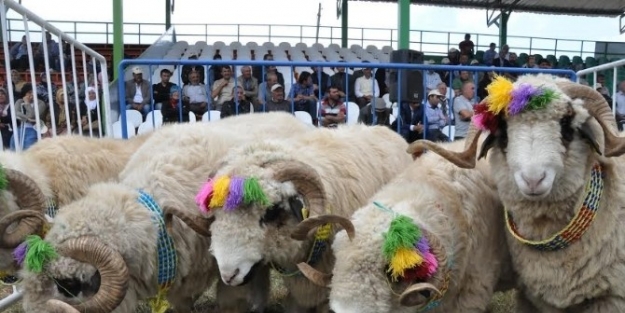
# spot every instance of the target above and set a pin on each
(170, 166)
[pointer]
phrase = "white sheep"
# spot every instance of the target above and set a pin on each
(555, 168)
(108, 241)
(50, 175)
(326, 171)
(464, 250)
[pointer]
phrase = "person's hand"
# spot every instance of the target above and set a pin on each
(342, 94)
(224, 83)
(341, 115)
(418, 128)
(315, 87)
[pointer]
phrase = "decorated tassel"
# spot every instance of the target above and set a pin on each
(159, 304)
(220, 192)
(4, 182)
(235, 194)
(204, 195)
(499, 95)
(38, 253)
(19, 254)
(323, 232)
(403, 233)
(404, 259)
(253, 192)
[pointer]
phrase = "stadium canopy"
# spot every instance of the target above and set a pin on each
(498, 11)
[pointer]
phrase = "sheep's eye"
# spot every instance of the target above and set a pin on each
(566, 129)
(274, 214)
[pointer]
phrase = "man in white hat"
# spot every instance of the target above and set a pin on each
(277, 102)
(138, 95)
(435, 118)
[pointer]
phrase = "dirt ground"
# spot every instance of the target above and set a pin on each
(502, 302)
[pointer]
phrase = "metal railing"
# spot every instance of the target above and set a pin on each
(50, 54)
(123, 126)
(429, 42)
(609, 76)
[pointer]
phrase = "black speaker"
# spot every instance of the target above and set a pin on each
(411, 80)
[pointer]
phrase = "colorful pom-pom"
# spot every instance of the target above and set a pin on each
(38, 254)
(404, 259)
(4, 182)
(235, 194)
(499, 95)
(19, 254)
(220, 192)
(204, 195)
(253, 192)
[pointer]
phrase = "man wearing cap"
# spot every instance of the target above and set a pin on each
(435, 118)
(432, 79)
(186, 69)
(161, 91)
(382, 113)
(138, 95)
(277, 102)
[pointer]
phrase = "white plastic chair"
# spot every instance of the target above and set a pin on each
(158, 118)
(192, 118)
(133, 117)
(304, 117)
(117, 129)
(212, 115)
(450, 131)
(352, 113)
(145, 127)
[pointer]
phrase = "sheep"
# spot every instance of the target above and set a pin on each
(456, 210)
(328, 170)
(556, 172)
(50, 175)
(106, 242)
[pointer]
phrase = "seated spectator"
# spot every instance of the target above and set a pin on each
(19, 55)
(258, 71)
(277, 102)
(332, 110)
(214, 72)
(410, 121)
(620, 105)
(25, 111)
(171, 110)
(464, 60)
(380, 77)
(366, 89)
(464, 77)
(249, 84)
(454, 56)
(89, 112)
(194, 94)
(501, 60)
(531, 62)
(446, 76)
(42, 88)
(342, 83)
(544, 64)
(62, 126)
(138, 93)
(490, 54)
(463, 110)
(18, 82)
(434, 118)
(222, 89)
(432, 79)
(382, 114)
(303, 96)
(160, 91)
(238, 105)
(5, 118)
(53, 54)
(264, 89)
(467, 47)
(320, 87)
(187, 69)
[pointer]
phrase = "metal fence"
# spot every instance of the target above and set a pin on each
(607, 78)
(54, 56)
(125, 128)
(429, 42)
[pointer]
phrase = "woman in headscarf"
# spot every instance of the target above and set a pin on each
(89, 113)
(60, 116)
(26, 112)
(5, 118)
(171, 110)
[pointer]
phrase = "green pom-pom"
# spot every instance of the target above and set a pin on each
(403, 233)
(4, 182)
(541, 102)
(253, 192)
(39, 253)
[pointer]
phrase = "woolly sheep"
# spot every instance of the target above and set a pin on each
(458, 212)
(553, 167)
(326, 171)
(51, 174)
(111, 228)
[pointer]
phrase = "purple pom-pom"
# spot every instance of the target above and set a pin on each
(520, 98)
(19, 254)
(235, 194)
(423, 245)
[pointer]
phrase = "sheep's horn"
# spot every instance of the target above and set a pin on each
(306, 180)
(30, 222)
(198, 223)
(28, 197)
(58, 306)
(304, 227)
(111, 265)
(598, 108)
(464, 159)
(413, 295)
(316, 277)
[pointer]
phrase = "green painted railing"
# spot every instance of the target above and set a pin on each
(429, 42)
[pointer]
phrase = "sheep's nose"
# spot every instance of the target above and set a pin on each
(229, 277)
(533, 180)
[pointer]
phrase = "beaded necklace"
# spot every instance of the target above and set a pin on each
(578, 225)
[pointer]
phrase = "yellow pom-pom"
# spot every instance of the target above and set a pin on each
(220, 192)
(323, 232)
(404, 259)
(499, 95)
(159, 304)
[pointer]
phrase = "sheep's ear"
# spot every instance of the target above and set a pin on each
(488, 143)
(586, 133)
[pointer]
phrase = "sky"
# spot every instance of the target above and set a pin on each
(430, 25)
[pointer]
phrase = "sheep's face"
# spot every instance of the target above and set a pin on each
(252, 234)
(544, 154)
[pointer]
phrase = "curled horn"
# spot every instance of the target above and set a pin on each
(303, 228)
(305, 179)
(28, 197)
(598, 108)
(316, 277)
(113, 273)
(464, 159)
(413, 296)
(58, 306)
(198, 223)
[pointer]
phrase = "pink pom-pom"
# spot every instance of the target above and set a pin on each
(479, 121)
(203, 196)
(430, 262)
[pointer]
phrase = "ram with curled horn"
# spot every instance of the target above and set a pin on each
(131, 247)
(281, 202)
(557, 163)
(47, 176)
